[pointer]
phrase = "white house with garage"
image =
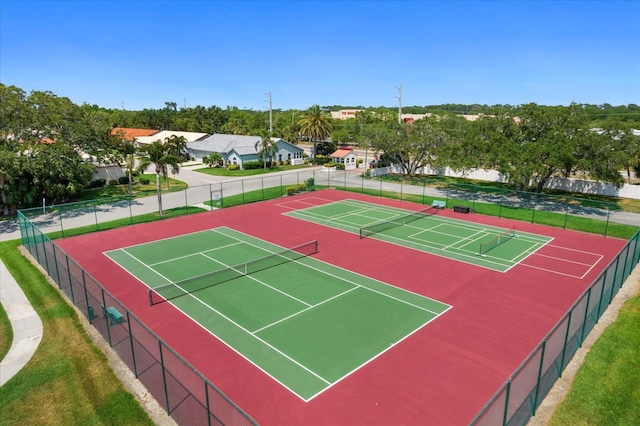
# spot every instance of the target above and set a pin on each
(239, 149)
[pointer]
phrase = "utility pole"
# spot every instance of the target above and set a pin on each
(270, 115)
(400, 104)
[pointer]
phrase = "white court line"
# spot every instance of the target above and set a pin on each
(309, 307)
(257, 280)
(147, 266)
(193, 254)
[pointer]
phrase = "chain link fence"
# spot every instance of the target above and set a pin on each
(191, 399)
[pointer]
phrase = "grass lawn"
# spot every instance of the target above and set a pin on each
(606, 388)
(498, 188)
(118, 223)
(6, 333)
(68, 380)
(222, 171)
(139, 190)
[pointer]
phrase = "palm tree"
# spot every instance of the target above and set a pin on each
(314, 123)
(160, 155)
(128, 150)
(177, 145)
(266, 148)
(213, 160)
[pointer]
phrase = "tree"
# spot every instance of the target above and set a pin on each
(315, 124)
(266, 147)
(128, 151)
(158, 154)
(213, 160)
(410, 146)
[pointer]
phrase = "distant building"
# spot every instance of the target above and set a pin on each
(345, 114)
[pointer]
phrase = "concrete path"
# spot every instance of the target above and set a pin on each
(25, 322)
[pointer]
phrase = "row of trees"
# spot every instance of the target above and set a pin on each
(527, 146)
(48, 144)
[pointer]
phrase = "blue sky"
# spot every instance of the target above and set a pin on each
(139, 54)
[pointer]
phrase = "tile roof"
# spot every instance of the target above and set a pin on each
(131, 133)
(341, 153)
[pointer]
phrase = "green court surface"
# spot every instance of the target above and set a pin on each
(304, 322)
(496, 248)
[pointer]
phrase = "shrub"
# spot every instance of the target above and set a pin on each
(113, 182)
(144, 181)
(98, 183)
(339, 166)
(252, 165)
(123, 180)
(310, 183)
(294, 189)
(330, 164)
(233, 167)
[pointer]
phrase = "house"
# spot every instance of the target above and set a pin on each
(345, 156)
(166, 134)
(131, 134)
(238, 149)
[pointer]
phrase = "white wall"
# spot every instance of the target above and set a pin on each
(107, 173)
(563, 184)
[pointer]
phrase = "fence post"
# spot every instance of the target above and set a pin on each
(535, 398)
(206, 397)
(133, 353)
(506, 403)
(61, 227)
(586, 313)
(95, 214)
(613, 283)
(86, 299)
(164, 377)
(566, 342)
(104, 317)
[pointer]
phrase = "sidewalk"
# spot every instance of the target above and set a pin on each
(25, 322)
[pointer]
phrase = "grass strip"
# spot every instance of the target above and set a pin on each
(606, 388)
(6, 333)
(68, 380)
(223, 171)
(119, 223)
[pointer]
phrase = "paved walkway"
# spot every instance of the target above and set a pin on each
(26, 324)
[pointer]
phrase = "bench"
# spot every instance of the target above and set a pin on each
(439, 204)
(115, 317)
(461, 209)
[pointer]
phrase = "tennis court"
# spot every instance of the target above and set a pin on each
(305, 323)
(495, 248)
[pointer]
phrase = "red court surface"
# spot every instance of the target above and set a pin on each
(441, 375)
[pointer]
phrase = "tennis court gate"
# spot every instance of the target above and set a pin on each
(186, 395)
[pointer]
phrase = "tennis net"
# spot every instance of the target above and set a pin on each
(499, 239)
(176, 289)
(396, 221)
